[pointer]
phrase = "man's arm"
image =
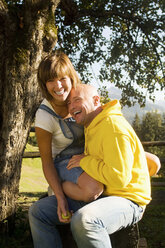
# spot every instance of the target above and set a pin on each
(153, 162)
(113, 165)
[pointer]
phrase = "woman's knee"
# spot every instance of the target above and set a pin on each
(98, 189)
(92, 189)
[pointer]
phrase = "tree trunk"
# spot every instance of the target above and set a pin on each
(27, 33)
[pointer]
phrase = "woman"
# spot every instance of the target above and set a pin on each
(58, 136)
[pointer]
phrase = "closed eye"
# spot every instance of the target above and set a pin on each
(63, 78)
(50, 80)
(77, 99)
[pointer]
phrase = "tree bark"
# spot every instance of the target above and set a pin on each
(27, 33)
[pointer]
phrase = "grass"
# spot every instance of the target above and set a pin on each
(32, 178)
(33, 185)
(152, 225)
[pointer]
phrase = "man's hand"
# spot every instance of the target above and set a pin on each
(75, 161)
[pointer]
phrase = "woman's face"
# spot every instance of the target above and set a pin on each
(59, 88)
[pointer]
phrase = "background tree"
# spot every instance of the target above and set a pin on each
(151, 126)
(131, 53)
(161, 153)
(151, 130)
(27, 32)
(136, 124)
(163, 127)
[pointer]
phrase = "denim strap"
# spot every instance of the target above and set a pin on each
(77, 131)
(63, 123)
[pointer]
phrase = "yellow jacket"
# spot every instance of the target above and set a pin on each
(115, 156)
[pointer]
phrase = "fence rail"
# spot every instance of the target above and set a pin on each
(31, 155)
(144, 143)
(153, 143)
(37, 155)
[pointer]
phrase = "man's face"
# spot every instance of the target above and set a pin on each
(81, 106)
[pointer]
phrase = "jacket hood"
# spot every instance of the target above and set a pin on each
(110, 108)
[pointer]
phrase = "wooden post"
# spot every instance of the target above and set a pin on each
(126, 238)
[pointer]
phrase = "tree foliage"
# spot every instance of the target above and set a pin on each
(126, 38)
(137, 125)
(151, 128)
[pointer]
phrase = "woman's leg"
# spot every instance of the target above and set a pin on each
(87, 188)
(77, 184)
(92, 224)
(43, 219)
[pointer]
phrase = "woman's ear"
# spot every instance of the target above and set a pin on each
(96, 100)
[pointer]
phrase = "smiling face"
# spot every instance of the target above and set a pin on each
(53, 70)
(59, 89)
(83, 103)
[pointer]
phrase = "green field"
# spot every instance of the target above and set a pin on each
(32, 178)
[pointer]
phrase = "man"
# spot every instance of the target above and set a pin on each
(114, 156)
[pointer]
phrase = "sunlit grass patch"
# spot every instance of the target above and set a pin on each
(32, 177)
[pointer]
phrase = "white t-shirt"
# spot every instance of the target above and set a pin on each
(50, 123)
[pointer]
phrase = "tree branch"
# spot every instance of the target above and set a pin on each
(71, 11)
(72, 14)
(41, 4)
(3, 10)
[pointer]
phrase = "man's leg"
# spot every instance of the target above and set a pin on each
(92, 224)
(43, 219)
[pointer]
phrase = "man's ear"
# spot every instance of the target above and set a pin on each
(96, 100)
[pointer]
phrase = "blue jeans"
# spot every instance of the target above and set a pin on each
(91, 223)
(43, 220)
(65, 174)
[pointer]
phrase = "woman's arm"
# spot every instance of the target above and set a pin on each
(153, 162)
(44, 139)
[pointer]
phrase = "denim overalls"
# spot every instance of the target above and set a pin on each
(76, 147)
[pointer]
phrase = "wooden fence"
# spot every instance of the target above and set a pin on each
(144, 143)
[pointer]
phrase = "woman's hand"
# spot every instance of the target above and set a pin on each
(75, 161)
(63, 212)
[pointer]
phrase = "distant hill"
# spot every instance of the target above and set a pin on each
(129, 112)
